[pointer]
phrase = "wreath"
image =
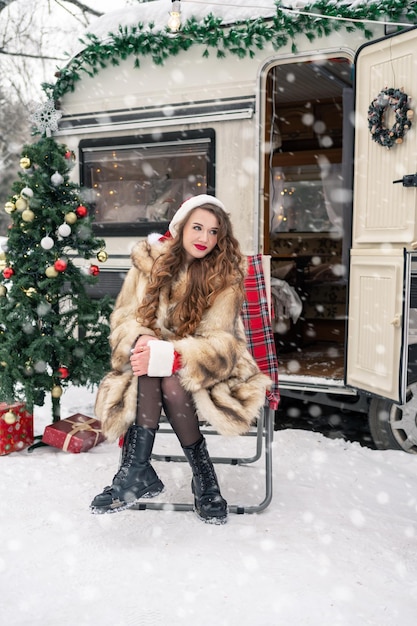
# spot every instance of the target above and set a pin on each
(398, 101)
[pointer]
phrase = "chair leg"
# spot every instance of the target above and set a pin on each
(267, 433)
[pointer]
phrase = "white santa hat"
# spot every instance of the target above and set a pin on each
(189, 205)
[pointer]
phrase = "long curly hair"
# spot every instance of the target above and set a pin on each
(223, 267)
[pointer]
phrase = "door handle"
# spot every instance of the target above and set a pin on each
(409, 180)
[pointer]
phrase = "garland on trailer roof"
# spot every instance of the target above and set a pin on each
(242, 38)
(397, 100)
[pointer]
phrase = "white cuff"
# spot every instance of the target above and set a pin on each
(161, 358)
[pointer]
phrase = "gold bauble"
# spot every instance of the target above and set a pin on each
(9, 207)
(28, 215)
(30, 292)
(56, 391)
(2, 261)
(21, 204)
(3, 291)
(51, 272)
(25, 163)
(9, 417)
(70, 218)
(102, 256)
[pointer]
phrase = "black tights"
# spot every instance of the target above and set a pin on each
(167, 393)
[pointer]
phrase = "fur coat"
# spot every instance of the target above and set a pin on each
(225, 382)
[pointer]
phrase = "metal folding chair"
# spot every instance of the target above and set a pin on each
(256, 315)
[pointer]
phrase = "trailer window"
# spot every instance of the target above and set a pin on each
(307, 198)
(137, 183)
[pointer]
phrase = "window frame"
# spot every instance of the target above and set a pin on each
(143, 228)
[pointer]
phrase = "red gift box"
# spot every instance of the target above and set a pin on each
(77, 433)
(16, 427)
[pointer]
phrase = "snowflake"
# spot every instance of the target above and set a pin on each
(46, 117)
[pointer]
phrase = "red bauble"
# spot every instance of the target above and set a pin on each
(94, 270)
(81, 211)
(67, 155)
(8, 272)
(63, 372)
(60, 265)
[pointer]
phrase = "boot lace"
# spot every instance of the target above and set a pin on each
(127, 456)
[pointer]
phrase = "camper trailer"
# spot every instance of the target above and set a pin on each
(282, 137)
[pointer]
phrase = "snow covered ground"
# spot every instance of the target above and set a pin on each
(337, 545)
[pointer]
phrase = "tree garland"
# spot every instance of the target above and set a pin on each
(243, 38)
(397, 100)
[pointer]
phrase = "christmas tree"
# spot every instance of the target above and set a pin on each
(52, 333)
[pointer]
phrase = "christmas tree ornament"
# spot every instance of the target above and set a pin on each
(28, 215)
(3, 291)
(21, 204)
(63, 372)
(10, 417)
(8, 272)
(94, 270)
(81, 211)
(2, 261)
(26, 193)
(56, 391)
(47, 243)
(25, 163)
(29, 371)
(57, 179)
(70, 217)
(64, 230)
(70, 158)
(30, 292)
(102, 256)
(60, 265)
(51, 272)
(46, 118)
(10, 207)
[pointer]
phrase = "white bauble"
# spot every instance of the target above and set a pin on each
(57, 179)
(26, 193)
(47, 243)
(64, 230)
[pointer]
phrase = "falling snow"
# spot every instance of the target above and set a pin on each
(335, 547)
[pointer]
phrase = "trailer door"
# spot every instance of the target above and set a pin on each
(384, 225)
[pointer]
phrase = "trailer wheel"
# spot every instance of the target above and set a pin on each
(394, 426)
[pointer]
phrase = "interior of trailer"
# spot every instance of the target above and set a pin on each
(308, 175)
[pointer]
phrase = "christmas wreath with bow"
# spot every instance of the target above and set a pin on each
(398, 101)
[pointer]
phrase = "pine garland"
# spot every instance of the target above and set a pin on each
(242, 39)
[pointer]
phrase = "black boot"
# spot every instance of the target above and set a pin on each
(209, 505)
(135, 478)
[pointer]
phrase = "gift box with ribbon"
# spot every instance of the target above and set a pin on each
(16, 427)
(77, 433)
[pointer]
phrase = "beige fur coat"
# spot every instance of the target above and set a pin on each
(216, 367)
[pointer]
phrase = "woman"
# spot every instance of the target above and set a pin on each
(178, 343)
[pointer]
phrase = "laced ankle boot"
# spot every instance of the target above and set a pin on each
(209, 505)
(135, 478)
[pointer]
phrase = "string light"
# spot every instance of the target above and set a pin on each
(174, 22)
(339, 18)
(297, 11)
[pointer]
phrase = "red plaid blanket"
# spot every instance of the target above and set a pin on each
(255, 315)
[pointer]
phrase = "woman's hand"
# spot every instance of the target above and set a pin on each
(140, 356)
